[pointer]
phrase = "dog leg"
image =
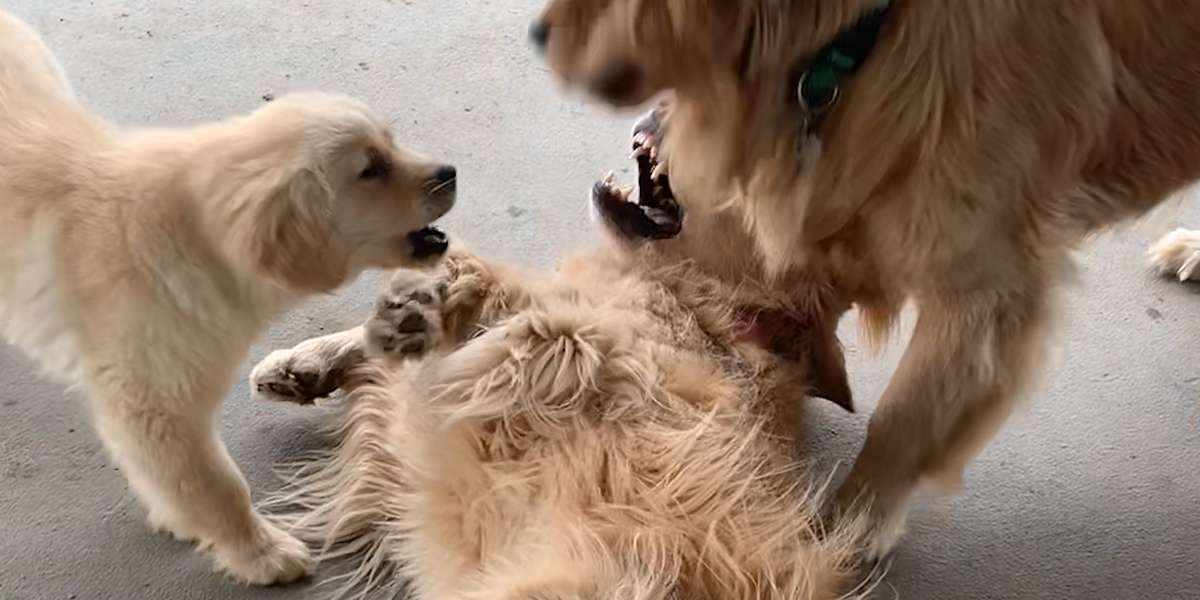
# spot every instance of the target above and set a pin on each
(406, 324)
(970, 358)
(416, 313)
(176, 464)
(1178, 254)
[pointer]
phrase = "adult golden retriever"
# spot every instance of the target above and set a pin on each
(141, 265)
(975, 146)
(625, 427)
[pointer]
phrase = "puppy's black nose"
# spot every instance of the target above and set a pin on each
(539, 33)
(444, 175)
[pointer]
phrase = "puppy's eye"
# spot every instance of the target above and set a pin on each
(377, 167)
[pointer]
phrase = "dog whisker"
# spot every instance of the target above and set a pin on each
(443, 185)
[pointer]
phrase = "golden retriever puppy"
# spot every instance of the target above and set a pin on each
(625, 427)
(950, 154)
(1178, 254)
(140, 265)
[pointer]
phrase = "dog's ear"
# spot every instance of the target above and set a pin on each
(814, 344)
(286, 230)
(828, 371)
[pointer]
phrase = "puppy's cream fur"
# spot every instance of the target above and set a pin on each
(604, 431)
(141, 265)
(979, 143)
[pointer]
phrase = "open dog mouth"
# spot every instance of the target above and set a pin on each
(653, 213)
(428, 242)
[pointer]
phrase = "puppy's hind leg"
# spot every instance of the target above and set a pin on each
(174, 461)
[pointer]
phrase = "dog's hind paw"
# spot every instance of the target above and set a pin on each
(408, 317)
(1178, 254)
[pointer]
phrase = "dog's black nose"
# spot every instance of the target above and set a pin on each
(539, 33)
(444, 175)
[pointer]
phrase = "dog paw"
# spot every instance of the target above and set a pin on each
(1178, 254)
(877, 527)
(300, 376)
(408, 317)
(270, 556)
(468, 281)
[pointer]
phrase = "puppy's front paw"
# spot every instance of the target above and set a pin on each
(1178, 254)
(269, 555)
(408, 317)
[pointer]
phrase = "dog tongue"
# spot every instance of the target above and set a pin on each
(428, 242)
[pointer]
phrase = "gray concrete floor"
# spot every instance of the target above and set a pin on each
(1090, 493)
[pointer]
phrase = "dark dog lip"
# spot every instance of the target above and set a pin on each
(659, 220)
(428, 242)
(655, 215)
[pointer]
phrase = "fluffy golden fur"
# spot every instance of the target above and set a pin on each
(141, 265)
(979, 143)
(1178, 254)
(611, 430)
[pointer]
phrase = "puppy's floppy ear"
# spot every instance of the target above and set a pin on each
(285, 229)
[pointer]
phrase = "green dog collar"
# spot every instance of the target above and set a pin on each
(820, 84)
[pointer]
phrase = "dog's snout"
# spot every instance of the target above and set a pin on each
(539, 33)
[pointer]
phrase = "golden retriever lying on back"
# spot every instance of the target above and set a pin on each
(624, 428)
(947, 153)
(141, 265)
